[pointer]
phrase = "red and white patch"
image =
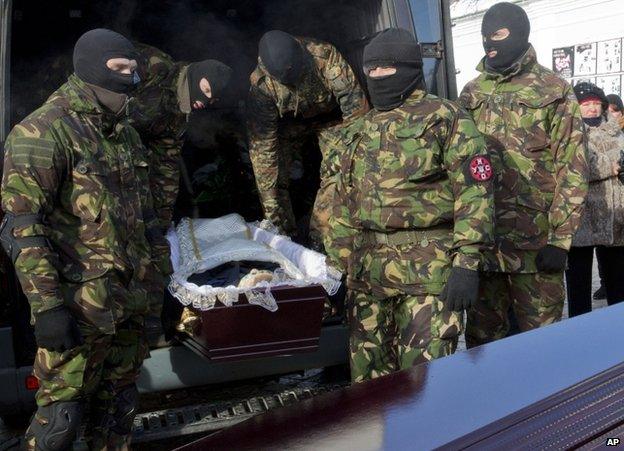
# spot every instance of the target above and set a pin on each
(481, 169)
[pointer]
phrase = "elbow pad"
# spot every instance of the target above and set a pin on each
(12, 245)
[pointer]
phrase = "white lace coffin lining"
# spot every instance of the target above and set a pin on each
(198, 245)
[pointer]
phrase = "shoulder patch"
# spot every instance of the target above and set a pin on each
(480, 168)
(30, 151)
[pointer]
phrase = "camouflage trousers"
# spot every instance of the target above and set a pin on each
(537, 300)
(93, 373)
(395, 333)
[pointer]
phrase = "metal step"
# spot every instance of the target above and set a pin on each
(177, 422)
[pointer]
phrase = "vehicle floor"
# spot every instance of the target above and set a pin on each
(238, 390)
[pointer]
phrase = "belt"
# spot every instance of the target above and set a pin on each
(412, 236)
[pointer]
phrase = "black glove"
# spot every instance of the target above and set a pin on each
(551, 259)
(461, 290)
(57, 330)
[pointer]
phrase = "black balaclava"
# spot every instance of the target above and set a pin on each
(91, 52)
(585, 91)
(616, 101)
(218, 75)
(282, 56)
(510, 16)
(393, 47)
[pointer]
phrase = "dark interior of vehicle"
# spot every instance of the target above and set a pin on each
(42, 39)
(43, 34)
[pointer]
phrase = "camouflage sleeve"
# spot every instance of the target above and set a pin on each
(32, 174)
(339, 238)
(470, 173)
(345, 87)
(566, 136)
(164, 180)
(154, 230)
(264, 154)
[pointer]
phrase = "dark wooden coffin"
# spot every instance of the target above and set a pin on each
(249, 331)
(560, 387)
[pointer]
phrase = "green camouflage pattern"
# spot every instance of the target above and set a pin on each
(398, 332)
(536, 298)
(328, 84)
(155, 113)
(409, 169)
(94, 372)
(406, 173)
(86, 173)
(533, 126)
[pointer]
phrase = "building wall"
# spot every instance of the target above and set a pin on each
(554, 24)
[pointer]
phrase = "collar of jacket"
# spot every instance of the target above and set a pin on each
(82, 100)
(524, 64)
(416, 96)
(80, 97)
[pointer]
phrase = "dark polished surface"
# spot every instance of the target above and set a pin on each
(245, 331)
(435, 403)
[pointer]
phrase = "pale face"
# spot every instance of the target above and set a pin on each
(614, 112)
(381, 72)
(498, 35)
(122, 65)
(204, 85)
(591, 108)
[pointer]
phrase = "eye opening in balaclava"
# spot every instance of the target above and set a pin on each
(216, 73)
(393, 48)
(282, 56)
(512, 48)
(92, 52)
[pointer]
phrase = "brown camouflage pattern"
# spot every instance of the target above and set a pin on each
(533, 125)
(407, 173)
(156, 115)
(94, 371)
(86, 173)
(328, 85)
(398, 332)
(537, 301)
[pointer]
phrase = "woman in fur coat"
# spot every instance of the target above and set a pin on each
(602, 222)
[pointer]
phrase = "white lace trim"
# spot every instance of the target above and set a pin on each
(193, 240)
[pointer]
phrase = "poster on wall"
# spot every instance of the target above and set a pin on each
(609, 56)
(563, 61)
(610, 84)
(585, 59)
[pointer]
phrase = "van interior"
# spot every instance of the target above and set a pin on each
(41, 36)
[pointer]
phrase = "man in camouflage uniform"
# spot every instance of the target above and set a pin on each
(300, 86)
(168, 93)
(534, 130)
(77, 227)
(413, 209)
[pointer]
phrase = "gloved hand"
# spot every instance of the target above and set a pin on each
(551, 259)
(461, 290)
(57, 330)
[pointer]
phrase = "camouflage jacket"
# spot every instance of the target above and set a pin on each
(534, 129)
(86, 174)
(156, 115)
(416, 169)
(328, 84)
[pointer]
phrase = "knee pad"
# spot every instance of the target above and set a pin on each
(125, 405)
(54, 427)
